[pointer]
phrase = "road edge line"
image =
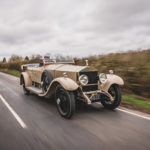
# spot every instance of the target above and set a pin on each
(19, 120)
(134, 114)
(131, 113)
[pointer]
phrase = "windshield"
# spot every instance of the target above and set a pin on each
(58, 59)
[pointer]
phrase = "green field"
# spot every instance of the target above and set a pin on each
(11, 72)
(132, 101)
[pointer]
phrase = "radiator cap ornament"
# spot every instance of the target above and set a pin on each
(87, 62)
(65, 74)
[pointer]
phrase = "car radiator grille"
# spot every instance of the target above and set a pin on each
(93, 79)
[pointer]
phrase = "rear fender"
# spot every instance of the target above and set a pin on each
(111, 79)
(24, 77)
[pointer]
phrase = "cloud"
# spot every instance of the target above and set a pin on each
(77, 27)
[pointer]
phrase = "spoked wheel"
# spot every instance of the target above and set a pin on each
(115, 92)
(46, 80)
(65, 102)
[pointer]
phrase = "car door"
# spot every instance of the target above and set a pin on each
(36, 74)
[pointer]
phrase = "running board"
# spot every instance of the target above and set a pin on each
(34, 90)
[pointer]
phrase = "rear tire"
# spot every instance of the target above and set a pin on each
(115, 91)
(26, 92)
(65, 101)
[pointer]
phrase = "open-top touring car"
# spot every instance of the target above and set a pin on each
(60, 78)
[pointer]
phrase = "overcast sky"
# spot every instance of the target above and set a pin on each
(76, 27)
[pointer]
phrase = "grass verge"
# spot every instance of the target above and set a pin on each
(11, 72)
(133, 102)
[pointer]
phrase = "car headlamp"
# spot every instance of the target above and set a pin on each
(83, 79)
(102, 77)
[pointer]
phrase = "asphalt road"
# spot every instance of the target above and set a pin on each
(91, 128)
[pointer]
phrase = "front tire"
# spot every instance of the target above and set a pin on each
(115, 92)
(65, 101)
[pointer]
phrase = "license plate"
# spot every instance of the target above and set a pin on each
(95, 97)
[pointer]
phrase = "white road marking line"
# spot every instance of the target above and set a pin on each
(135, 114)
(131, 113)
(20, 121)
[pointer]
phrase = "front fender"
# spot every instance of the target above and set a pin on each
(111, 79)
(66, 83)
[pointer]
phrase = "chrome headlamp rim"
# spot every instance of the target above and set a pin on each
(83, 77)
(102, 77)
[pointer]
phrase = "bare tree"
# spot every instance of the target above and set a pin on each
(15, 58)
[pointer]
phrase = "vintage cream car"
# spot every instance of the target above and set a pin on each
(67, 83)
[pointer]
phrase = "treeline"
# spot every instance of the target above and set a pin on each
(15, 62)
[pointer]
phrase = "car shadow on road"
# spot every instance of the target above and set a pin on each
(81, 108)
